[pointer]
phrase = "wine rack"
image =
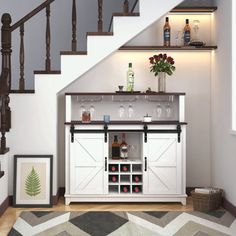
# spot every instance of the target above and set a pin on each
(125, 177)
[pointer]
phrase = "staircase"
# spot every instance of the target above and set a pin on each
(34, 119)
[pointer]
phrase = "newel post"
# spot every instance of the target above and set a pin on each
(6, 62)
(5, 79)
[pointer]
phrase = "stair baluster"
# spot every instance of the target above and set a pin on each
(126, 7)
(48, 41)
(22, 59)
(74, 17)
(100, 16)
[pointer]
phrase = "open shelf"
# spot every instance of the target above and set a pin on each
(171, 48)
(194, 9)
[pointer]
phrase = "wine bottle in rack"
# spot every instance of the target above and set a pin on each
(114, 179)
(114, 168)
(136, 189)
(125, 168)
(124, 189)
(136, 179)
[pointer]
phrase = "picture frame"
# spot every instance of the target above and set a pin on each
(32, 181)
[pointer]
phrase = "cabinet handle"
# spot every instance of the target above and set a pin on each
(105, 163)
(145, 164)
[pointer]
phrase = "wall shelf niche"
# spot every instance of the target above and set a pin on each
(171, 48)
(194, 9)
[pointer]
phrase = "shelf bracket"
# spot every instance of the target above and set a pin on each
(145, 130)
(72, 130)
(178, 129)
(105, 133)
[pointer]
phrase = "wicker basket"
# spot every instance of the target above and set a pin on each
(206, 202)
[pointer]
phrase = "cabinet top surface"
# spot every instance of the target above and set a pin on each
(126, 123)
(124, 94)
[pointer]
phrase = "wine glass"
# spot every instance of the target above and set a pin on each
(168, 111)
(177, 37)
(159, 111)
(82, 110)
(130, 111)
(92, 111)
(121, 111)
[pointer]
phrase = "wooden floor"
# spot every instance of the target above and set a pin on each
(8, 219)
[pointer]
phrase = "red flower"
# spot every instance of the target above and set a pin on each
(169, 59)
(162, 63)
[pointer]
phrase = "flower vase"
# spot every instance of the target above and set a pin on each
(161, 82)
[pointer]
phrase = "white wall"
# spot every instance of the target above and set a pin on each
(4, 179)
(223, 142)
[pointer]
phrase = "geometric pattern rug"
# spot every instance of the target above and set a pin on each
(131, 223)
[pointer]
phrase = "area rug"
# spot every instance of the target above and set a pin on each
(134, 223)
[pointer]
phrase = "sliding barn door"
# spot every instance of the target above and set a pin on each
(88, 174)
(162, 158)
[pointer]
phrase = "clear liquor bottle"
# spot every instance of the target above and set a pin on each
(130, 79)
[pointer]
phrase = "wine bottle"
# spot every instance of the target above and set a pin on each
(114, 179)
(130, 79)
(166, 33)
(136, 189)
(136, 179)
(125, 189)
(115, 148)
(187, 33)
(113, 168)
(123, 148)
(125, 168)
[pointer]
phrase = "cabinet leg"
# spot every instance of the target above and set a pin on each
(183, 201)
(67, 201)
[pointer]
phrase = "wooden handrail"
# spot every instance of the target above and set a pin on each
(31, 14)
(135, 3)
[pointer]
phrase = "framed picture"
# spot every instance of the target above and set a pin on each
(32, 181)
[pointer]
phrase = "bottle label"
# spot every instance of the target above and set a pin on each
(115, 152)
(130, 81)
(187, 36)
(166, 35)
(123, 151)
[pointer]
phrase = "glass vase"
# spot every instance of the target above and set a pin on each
(161, 82)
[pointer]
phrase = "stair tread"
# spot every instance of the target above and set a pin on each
(73, 52)
(44, 72)
(126, 14)
(22, 91)
(99, 33)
